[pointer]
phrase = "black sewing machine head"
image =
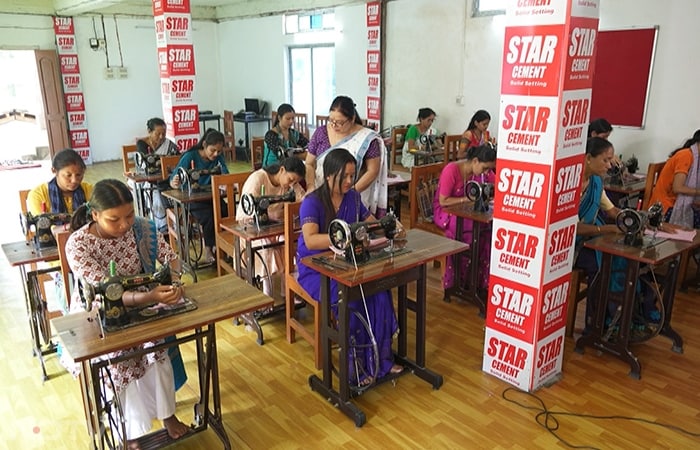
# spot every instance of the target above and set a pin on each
(429, 141)
(287, 152)
(189, 178)
(480, 193)
(615, 175)
(148, 164)
(633, 223)
(111, 289)
(257, 206)
(41, 225)
(353, 239)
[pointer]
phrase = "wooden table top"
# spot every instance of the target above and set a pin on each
(246, 229)
(611, 243)
(398, 177)
(217, 299)
(22, 252)
(142, 177)
(179, 196)
(632, 187)
(466, 210)
(424, 246)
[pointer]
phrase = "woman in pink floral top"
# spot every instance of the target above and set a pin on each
(107, 230)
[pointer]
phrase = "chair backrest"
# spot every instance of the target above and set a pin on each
(127, 160)
(397, 138)
(168, 164)
(421, 192)
(321, 121)
(61, 239)
(452, 146)
(257, 148)
(292, 228)
(653, 172)
(227, 186)
(229, 133)
(301, 121)
(23, 208)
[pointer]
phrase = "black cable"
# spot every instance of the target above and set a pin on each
(104, 37)
(119, 42)
(548, 419)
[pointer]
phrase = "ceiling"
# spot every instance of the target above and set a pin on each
(217, 10)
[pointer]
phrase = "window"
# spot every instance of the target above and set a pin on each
(312, 79)
(302, 23)
(488, 7)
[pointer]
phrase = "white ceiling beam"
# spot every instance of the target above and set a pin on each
(247, 8)
(77, 7)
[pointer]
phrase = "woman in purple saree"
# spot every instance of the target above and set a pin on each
(336, 199)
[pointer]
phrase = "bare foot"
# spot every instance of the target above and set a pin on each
(396, 369)
(133, 445)
(175, 428)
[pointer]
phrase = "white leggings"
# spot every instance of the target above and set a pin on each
(150, 397)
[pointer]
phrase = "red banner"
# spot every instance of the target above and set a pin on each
(171, 6)
(373, 14)
(63, 25)
(373, 62)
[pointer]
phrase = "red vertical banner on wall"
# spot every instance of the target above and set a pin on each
(373, 21)
(72, 86)
(173, 23)
(546, 82)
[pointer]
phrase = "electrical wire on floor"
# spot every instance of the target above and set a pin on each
(547, 418)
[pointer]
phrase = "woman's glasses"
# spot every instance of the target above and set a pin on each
(337, 123)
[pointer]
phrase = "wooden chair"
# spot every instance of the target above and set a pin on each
(301, 123)
(226, 187)
(257, 150)
(168, 164)
(421, 192)
(294, 290)
(577, 292)
(397, 139)
(127, 159)
(653, 172)
(451, 147)
(229, 136)
(321, 121)
(61, 239)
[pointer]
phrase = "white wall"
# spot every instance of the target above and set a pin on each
(117, 110)
(435, 52)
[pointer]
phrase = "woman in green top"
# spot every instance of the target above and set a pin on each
(426, 117)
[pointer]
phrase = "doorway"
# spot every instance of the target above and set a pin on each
(22, 121)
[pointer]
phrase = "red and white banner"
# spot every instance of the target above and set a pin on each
(72, 86)
(373, 22)
(548, 57)
(173, 23)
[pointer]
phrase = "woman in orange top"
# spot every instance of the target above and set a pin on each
(677, 185)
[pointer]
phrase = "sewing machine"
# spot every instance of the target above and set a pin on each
(633, 223)
(112, 287)
(480, 193)
(615, 175)
(148, 164)
(41, 226)
(190, 177)
(257, 206)
(287, 152)
(354, 239)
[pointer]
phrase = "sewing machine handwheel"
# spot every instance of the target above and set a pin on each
(247, 204)
(628, 221)
(86, 292)
(473, 190)
(339, 234)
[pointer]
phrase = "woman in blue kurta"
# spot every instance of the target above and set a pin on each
(206, 154)
(336, 199)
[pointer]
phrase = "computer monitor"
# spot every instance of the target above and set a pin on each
(252, 105)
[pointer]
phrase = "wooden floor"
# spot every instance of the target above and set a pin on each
(267, 402)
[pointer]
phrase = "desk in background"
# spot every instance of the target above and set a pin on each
(397, 182)
(626, 195)
(181, 202)
(246, 121)
(217, 299)
(209, 117)
(609, 245)
(143, 191)
(479, 219)
(249, 233)
(377, 276)
(21, 254)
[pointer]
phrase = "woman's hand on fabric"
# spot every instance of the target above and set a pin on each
(175, 182)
